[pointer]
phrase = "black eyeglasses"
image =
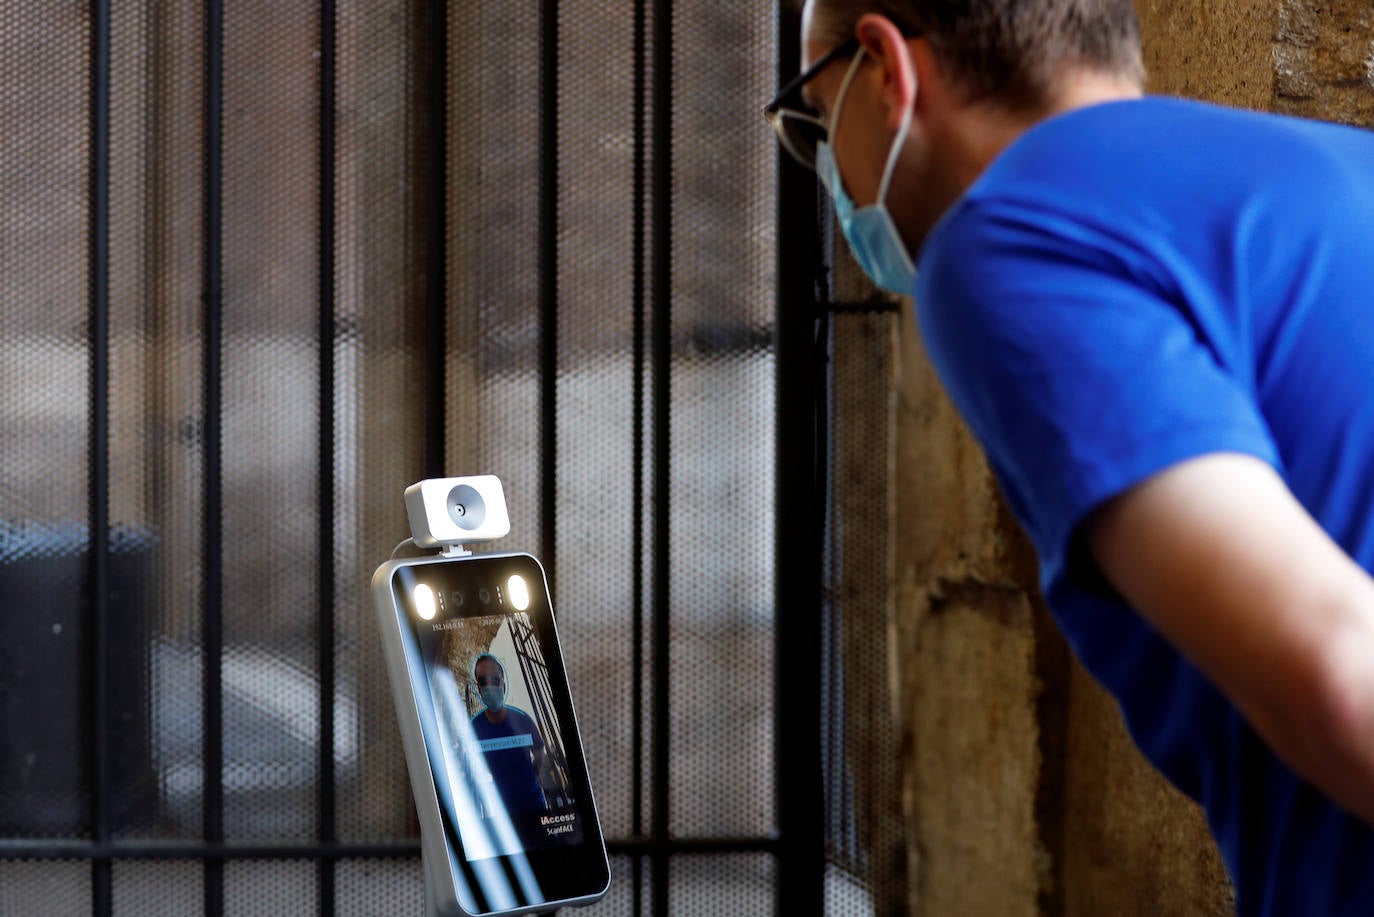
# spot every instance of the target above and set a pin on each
(799, 126)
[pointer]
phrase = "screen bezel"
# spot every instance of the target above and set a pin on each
(565, 873)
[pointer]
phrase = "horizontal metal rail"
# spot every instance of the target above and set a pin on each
(195, 850)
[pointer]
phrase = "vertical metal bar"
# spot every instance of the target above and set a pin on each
(800, 469)
(662, 350)
(641, 153)
(99, 543)
(548, 290)
(436, 276)
(213, 292)
(326, 825)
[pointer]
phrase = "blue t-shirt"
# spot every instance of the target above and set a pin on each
(509, 747)
(1141, 282)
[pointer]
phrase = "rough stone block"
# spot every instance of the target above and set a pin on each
(975, 762)
(1323, 59)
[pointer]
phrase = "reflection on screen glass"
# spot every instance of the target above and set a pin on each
(503, 749)
(515, 820)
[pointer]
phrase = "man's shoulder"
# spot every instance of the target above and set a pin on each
(1150, 183)
(1165, 150)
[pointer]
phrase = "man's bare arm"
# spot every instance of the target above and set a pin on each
(1218, 555)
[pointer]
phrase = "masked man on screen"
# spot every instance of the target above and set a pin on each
(1157, 316)
(510, 740)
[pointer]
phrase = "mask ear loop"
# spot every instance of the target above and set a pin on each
(830, 175)
(896, 150)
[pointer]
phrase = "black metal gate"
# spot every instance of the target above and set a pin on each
(263, 264)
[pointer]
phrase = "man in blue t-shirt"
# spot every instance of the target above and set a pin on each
(1157, 316)
(509, 739)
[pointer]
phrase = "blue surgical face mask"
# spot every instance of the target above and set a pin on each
(872, 236)
(494, 697)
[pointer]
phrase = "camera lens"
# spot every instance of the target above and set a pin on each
(456, 599)
(466, 507)
(484, 596)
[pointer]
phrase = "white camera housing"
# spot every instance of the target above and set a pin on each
(452, 512)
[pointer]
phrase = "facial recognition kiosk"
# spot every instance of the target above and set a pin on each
(508, 824)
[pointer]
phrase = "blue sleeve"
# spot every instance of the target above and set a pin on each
(1074, 365)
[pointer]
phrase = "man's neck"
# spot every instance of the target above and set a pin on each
(965, 138)
(984, 131)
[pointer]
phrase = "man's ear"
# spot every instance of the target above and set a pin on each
(888, 47)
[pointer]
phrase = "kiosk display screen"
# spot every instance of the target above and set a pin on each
(510, 780)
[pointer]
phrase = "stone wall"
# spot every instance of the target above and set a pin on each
(1023, 795)
(1026, 797)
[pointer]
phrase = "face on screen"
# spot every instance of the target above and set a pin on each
(508, 824)
(498, 735)
(497, 724)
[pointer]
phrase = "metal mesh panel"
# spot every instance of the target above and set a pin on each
(253, 888)
(44, 374)
(380, 397)
(596, 391)
(865, 829)
(707, 886)
(45, 888)
(849, 895)
(45, 787)
(155, 406)
(271, 420)
(152, 889)
(722, 426)
(369, 888)
(620, 899)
